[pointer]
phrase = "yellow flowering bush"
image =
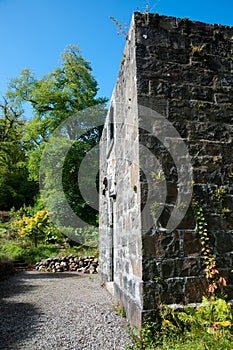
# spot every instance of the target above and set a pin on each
(33, 226)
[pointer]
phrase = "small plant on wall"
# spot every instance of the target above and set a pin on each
(198, 49)
(216, 281)
(121, 28)
(219, 194)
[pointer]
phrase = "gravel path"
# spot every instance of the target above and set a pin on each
(64, 311)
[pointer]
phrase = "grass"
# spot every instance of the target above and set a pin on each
(3, 227)
(14, 249)
(202, 343)
(206, 343)
(223, 340)
(13, 246)
(120, 310)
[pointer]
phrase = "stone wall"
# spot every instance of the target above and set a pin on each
(120, 224)
(184, 72)
(175, 75)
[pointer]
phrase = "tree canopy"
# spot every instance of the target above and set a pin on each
(15, 186)
(69, 89)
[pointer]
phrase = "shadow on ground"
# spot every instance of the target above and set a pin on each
(50, 275)
(20, 320)
(17, 322)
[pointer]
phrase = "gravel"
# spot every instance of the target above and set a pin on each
(65, 311)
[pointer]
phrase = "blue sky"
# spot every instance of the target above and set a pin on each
(34, 32)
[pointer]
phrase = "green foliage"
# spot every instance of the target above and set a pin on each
(225, 211)
(3, 257)
(216, 159)
(216, 281)
(208, 326)
(88, 236)
(199, 50)
(33, 254)
(216, 33)
(71, 186)
(158, 177)
(21, 248)
(123, 60)
(219, 193)
(148, 332)
(120, 310)
(212, 312)
(35, 226)
(121, 28)
(200, 105)
(3, 226)
(30, 224)
(68, 90)
(12, 249)
(155, 209)
(158, 279)
(65, 91)
(15, 187)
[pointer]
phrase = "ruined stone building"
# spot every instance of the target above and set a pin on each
(167, 146)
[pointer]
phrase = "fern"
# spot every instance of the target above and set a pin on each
(209, 326)
(186, 318)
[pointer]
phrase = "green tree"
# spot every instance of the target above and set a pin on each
(15, 187)
(70, 89)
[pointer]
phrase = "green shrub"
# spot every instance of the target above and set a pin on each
(209, 326)
(19, 240)
(42, 251)
(12, 250)
(85, 236)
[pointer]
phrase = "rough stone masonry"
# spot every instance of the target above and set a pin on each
(167, 141)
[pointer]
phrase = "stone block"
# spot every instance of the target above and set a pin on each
(188, 266)
(191, 243)
(152, 295)
(162, 245)
(188, 222)
(174, 293)
(223, 241)
(195, 289)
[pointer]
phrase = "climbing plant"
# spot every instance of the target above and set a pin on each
(216, 281)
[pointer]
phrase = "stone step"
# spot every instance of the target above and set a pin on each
(20, 264)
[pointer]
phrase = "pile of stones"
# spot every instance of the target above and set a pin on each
(69, 263)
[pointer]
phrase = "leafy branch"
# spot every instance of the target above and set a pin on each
(121, 28)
